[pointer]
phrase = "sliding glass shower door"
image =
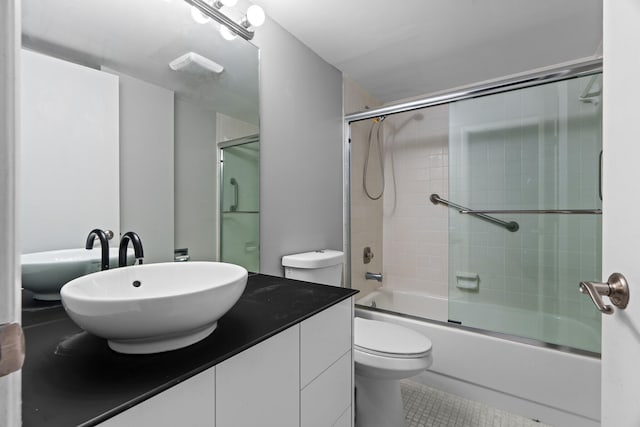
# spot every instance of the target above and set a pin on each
(240, 203)
(530, 157)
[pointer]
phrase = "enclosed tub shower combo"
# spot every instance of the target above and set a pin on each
(478, 213)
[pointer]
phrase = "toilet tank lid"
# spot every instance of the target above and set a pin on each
(314, 259)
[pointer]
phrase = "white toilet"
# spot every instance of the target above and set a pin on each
(384, 353)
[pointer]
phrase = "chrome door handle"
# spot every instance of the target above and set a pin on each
(616, 288)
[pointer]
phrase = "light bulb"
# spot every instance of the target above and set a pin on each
(255, 15)
(226, 33)
(198, 16)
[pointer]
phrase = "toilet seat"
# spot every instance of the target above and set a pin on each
(388, 340)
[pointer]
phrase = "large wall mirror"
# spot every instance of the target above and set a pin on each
(127, 108)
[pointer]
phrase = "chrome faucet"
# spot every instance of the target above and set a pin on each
(373, 276)
(104, 246)
(137, 248)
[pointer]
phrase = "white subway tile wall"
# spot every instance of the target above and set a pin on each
(415, 230)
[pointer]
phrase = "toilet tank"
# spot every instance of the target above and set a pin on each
(322, 266)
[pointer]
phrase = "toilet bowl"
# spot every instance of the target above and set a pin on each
(385, 353)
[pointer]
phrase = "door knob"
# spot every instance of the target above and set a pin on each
(616, 288)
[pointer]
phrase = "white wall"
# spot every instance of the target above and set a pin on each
(69, 153)
(301, 149)
(196, 181)
(9, 238)
(146, 166)
(228, 127)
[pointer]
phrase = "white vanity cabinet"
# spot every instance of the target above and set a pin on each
(260, 386)
(326, 366)
(190, 403)
(302, 376)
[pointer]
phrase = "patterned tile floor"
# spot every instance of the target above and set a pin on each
(428, 407)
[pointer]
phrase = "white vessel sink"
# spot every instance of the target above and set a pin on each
(154, 307)
(44, 273)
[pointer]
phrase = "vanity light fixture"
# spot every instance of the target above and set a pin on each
(226, 33)
(198, 16)
(254, 17)
(211, 9)
(201, 18)
(229, 3)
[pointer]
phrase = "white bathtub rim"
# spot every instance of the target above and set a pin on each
(491, 334)
(470, 329)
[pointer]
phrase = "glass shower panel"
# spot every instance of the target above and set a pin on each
(240, 204)
(528, 150)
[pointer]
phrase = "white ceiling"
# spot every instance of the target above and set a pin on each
(405, 48)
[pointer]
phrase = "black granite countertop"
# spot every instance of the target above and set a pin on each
(71, 378)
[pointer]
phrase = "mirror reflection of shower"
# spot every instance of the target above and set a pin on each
(236, 194)
(240, 208)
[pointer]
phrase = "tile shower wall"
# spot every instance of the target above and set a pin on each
(366, 214)
(415, 230)
(529, 149)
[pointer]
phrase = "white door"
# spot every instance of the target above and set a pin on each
(621, 210)
(9, 273)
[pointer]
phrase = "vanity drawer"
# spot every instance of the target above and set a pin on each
(324, 401)
(324, 338)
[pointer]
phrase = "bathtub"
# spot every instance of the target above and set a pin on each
(556, 387)
(543, 327)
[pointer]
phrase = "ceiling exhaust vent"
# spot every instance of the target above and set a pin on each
(197, 64)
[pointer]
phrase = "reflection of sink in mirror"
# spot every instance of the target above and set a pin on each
(75, 65)
(44, 273)
(153, 308)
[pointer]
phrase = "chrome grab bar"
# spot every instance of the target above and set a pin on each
(236, 195)
(509, 225)
(535, 211)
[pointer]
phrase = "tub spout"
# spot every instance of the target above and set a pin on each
(373, 276)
